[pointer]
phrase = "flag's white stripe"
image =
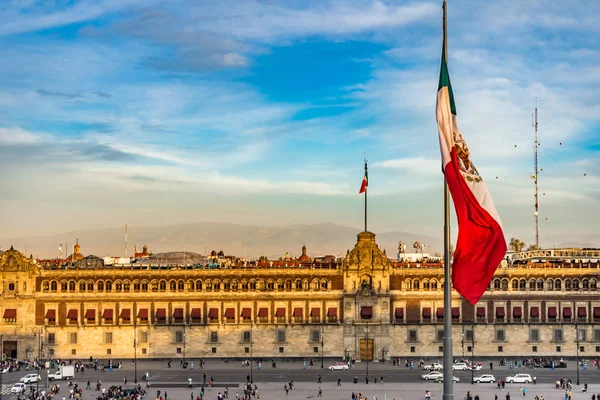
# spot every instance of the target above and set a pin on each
(444, 120)
(447, 126)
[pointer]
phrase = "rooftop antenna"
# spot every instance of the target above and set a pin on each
(536, 145)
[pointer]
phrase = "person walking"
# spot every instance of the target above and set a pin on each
(320, 394)
(319, 379)
(339, 381)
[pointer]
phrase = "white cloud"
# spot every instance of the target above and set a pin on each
(17, 135)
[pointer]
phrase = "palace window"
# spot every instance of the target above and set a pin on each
(45, 286)
(582, 334)
(532, 284)
(270, 286)
(522, 284)
(126, 286)
(144, 337)
(51, 338)
(416, 284)
(73, 338)
(280, 336)
(82, 286)
(214, 337)
(53, 286)
(136, 286)
(425, 285)
(226, 285)
(439, 335)
(180, 286)
(155, 286)
(162, 286)
(246, 337)
(217, 286)
(593, 285)
(101, 286)
(198, 286)
(596, 335)
(244, 285)
(500, 335)
(179, 337)
(90, 286)
(558, 335)
(412, 336)
(567, 284)
(172, 286)
(585, 284)
(144, 286)
(298, 285)
(557, 284)
(10, 316)
(252, 285)
(279, 285)
(108, 286)
(434, 285)
(64, 286)
(118, 287)
(575, 284)
(108, 337)
(534, 335)
(540, 284)
(71, 286)
(234, 286)
(315, 336)
(505, 284)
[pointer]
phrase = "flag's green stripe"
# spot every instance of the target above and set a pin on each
(445, 81)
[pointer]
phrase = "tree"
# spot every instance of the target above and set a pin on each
(516, 245)
(532, 247)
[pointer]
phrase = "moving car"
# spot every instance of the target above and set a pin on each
(434, 367)
(484, 379)
(30, 378)
(476, 367)
(519, 378)
(338, 365)
(432, 376)
(455, 379)
(18, 388)
(460, 366)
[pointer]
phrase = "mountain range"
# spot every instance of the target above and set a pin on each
(239, 240)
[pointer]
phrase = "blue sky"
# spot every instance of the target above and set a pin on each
(259, 112)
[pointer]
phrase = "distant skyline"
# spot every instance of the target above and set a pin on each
(259, 112)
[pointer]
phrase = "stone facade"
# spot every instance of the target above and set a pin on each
(365, 306)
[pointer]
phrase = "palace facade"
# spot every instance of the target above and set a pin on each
(540, 303)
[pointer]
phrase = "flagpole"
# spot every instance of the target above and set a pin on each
(448, 383)
(366, 189)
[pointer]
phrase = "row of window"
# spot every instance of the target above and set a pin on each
(181, 286)
(515, 284)
(195, 316)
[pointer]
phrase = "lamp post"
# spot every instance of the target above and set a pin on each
(368, 355)
(251, 358)
(472, 350)
(462, 340)
(38, 332)
(135, 349)
(577, 353)
(184, 342)
(1, 361)
(322, 344)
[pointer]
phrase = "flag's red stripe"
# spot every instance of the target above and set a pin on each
(480, 246)
(363, 185)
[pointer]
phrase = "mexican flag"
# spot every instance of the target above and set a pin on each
(480, 245)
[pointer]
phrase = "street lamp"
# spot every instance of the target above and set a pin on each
(184, 342)
(322, 344)
(368, 354)
(577, 354)
(1, 361)
(251, 358)
(472, 350)
(135, 348)
(462, 340)
(38, 332)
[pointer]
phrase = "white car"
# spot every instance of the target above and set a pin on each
(461, 366)
(484, 379)
(519, 378)
(30, 378)
(455, 379)
(434, 367)
(339, 365)
(432, 376)
(476, 367)
(18, 388)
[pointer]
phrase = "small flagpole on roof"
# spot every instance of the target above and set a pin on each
(366, 186)
(448, 389)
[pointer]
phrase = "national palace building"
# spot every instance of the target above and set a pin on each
(364, 305)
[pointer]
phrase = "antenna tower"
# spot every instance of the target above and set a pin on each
(536, 144)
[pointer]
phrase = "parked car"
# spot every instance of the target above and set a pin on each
(475, 367)
(519, 378)
(30, 378)
(460, 366)
(455, 379)
(484, 379)
(434, 367)
(338, 365)
(18, 388)
(432, 376)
